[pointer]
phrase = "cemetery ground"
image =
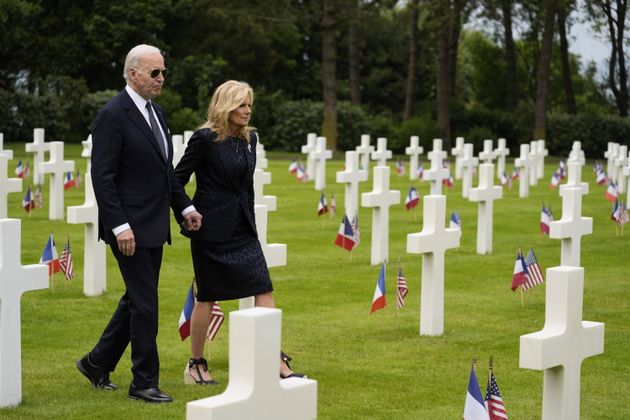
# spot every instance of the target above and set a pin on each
(367, 366)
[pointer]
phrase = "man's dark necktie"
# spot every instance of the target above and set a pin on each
(156, 130)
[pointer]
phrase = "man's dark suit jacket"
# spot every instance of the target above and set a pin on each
(219, 192)
(132, 181)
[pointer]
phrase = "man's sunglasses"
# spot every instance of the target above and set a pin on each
(156, 72)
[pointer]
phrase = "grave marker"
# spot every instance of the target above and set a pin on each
(535, 159)
(562, 344)
(254, 390)
(308, 149)
(620, 162)
(3, 151)
(365, 151)
(351, 176)
(523, 164)
(577, 154)
(574, 179)
(87, 152)
(438, 172)
(501, 151)
(380, 199)
(15, 279)
(468, 162)
(262, 178)
(610, 155)
(458, 151)
(487, 155)
(413, 151)
(571, 227)
(320, 156)
(7, 185)
(39, 148)
(432, 242)
(485, 194)
(57, 168)
(179, 147)
(541, 153)
(381, 155)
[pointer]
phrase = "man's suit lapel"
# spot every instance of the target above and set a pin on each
(138, 120)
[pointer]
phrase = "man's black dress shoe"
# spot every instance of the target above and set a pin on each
(152, 395)
(97, 376)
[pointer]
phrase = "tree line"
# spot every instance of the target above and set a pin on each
(434, 68)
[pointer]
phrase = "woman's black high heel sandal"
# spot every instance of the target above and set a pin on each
(286, 359)
(195, 364)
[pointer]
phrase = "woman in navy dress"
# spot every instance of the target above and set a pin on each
(227, 257)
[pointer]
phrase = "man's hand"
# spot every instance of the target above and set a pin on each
(126, 242)
(192, 220)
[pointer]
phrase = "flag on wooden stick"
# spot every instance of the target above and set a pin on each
(215, 321)
(401, 288)
(378, 301)
(65, 261)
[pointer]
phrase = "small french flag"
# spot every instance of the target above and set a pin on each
(378, 302)
(184, 317)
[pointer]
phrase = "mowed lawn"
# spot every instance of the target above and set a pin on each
(367, 366)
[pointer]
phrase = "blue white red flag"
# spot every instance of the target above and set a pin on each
(412, 198)
(19, 169)
(68, 181)
(50, 256)
(520, 272)
(474, 408)
(555, 180)
(456, 221)
(378, 301)
(186, 315)
(28, 203)
(420, 171)
(601, 176)
(515, 174)
(345, 235)
(216, 321)
(400, 167)
(293, 166)
(300, 175)
(322, 206)
(545, 219)
(611, 193)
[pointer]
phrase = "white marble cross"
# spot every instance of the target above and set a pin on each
(501, 151)
(524, 165)
(261, 156)
(381, 155)
(187, 135)
(577, 154)
(351, 176)
(7, 185)
(438, 172)
(432, 242)
(485, 194)
(626, 172)
(95, 251)
(574, 178)
(458, 151)
(57, 168)
(262, 178)
(254, 390)
(468, 163)
(571, 227)
(15, 279)
(87, 152)
(365, 151)
(535, 158)
(308, 149)
(487, 155)
(381, 198)
(620, 162)
(562, 344)
(320, 156)
(413, 151)
(179, 147)
(541, 152)
(3, 151)
(610, 155)
(39, 148)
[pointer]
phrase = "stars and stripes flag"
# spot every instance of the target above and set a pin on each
(616, 212)
(186, 314)
(216, 321)
(28, 202)
(39, 198)
(474, 408)
(27, 169)
(494, 401)
(345, 235)
(68, 181)
(412, 198)
(401, 288)
(378, 301)
(456, 221)
(623, 216)
(322, 206)
(65, 261)
(50, 256)
(293, 166)
(78, 179)
(546, 217)
(519, 277)
(420, 171)
(400, 167)
(332, 207)
(611, 193)
(534, 273)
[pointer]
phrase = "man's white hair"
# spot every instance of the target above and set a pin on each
(135, 55)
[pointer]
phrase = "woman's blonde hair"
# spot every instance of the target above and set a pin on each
(225, 99)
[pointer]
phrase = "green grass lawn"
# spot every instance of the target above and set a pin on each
(367, 366)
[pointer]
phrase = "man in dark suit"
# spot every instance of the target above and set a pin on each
(134, 184)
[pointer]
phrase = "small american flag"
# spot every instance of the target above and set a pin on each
(216, 321)
(494, 402)
(534, 274)
(65, 261)
(38, 197)
(401, 289)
